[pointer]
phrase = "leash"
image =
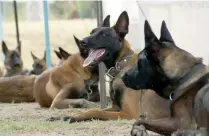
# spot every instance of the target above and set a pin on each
(141, 9)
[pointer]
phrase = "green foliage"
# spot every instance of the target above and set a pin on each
(66, 9)
(57, 10)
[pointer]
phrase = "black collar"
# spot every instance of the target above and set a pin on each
(114, 71)
(177, 82)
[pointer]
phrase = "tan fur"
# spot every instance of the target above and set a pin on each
(17, 89)
(39, 63)
(54, 87)
(135, 104)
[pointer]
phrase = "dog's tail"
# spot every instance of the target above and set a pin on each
(17, 88)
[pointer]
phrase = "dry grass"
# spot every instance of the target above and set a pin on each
(28, 118)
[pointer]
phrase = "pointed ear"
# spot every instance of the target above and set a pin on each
(4, 47)
(150, 38)
(64, 53)
(33, 56)
(19, 47)
(44, 58)
(106, 22)
(165, 34)
(122, 24)
(58, 54)
(77, 41)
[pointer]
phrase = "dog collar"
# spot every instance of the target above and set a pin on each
(114, 71)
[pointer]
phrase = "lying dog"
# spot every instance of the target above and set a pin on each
(39, 64)
(63, 86)
(189, 80)
(13, 62)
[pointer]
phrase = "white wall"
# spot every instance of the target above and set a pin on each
(188, 22)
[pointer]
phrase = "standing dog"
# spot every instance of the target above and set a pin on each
(13, 62)
(189, 79)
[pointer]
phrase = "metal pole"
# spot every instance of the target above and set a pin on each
(16, 22)
(47, 41)
(103, 98)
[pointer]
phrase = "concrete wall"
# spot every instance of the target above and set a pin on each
(188, 22)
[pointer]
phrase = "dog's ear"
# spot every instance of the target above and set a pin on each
(64, 53)
(44, 58)
(58, 54)
(122, 24)
(77, 41)
(150, 37)
(33, 56)
(106, 22)
(165, 34)
(19, 47)
(83, 50)
(4, 47)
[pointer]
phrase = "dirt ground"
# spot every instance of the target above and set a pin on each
(26, 119)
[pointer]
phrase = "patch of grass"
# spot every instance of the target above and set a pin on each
(32, 125)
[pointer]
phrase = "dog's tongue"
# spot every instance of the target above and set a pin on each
(93, 55)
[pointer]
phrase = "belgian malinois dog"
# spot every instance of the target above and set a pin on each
(13, 62)
(64, 86)
(189, 89)
(39, 64)
(109, 45)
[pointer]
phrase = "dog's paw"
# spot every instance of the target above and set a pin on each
(139, 131)
(53, 119)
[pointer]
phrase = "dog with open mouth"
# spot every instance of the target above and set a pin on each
(64, 86)
(126, 102)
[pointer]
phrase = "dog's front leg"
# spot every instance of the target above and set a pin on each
(163, 126)
(95, 114)
(61, 101)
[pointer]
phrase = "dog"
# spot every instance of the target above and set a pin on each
(189, 80)
(64, 86)
(126, 102)
(39, 64)
(13, 62)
